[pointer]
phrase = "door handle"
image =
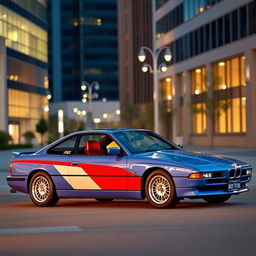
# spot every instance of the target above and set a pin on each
(75, 163)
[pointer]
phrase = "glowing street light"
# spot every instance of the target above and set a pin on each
(155, 69)
(89, 94)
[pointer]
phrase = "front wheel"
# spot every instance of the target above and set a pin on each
(216, 199)
(42, 191)
(160, 190)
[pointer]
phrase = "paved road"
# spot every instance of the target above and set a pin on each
(87, 227)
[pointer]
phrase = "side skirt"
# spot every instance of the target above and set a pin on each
(99, 194)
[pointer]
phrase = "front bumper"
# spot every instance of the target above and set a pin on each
(193, 188)
(197, 193)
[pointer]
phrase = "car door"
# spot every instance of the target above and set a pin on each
(97, 170)
(57, 161)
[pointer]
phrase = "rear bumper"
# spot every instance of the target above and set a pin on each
(18, 183)
(15, 178)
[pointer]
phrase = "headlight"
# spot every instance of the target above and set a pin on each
(200, 175)
(207, 174)
(249, 172)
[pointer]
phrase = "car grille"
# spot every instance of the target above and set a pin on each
(222, 177)
(234, 173)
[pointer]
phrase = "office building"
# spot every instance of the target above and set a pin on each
(136, 87)
(82, 47)
(23, 66)
(210, 84)
(211, 79)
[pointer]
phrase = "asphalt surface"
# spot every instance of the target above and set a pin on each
(87, 227)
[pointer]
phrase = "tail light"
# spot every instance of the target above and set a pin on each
(10, 168)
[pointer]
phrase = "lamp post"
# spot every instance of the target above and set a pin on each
(155, 69)
(89, 95)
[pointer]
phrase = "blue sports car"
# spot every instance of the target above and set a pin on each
(124, 163)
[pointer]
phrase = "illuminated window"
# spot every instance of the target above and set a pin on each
(167, 86)
(26, 105)
(229, 73)
(22, 35)
(198, 80)
(231, 106)
(198, 87)
(199, 118)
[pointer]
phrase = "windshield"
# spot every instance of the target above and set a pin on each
(144, 141)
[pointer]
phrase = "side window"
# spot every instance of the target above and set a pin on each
(91, 144)
(95, 144)
(66, 147)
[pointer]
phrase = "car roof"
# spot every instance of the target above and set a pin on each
(106, 130)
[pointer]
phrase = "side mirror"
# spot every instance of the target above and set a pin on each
(181, 146)
(113, 151)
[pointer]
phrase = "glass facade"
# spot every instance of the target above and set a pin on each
(182, 13)
(26, 105)
(37, 7)
(24, 73)
(198, 80)
(219, 32)
(230, 90)
(22, 35)
(87, 47)
(167, 87)
(23, 25)
(160, 3)
(198, 89)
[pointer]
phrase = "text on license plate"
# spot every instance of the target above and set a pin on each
(234, 185)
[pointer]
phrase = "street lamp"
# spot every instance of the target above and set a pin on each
(89, 95)
(155, 69)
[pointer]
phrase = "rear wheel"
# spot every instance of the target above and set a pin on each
(160, 190)
(42, 191)
(216, 199)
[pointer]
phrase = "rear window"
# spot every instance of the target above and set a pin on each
(66, 147)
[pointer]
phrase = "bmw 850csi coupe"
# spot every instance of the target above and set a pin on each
(124, 163)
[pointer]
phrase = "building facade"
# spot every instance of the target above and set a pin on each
(82, 47)
(134, 30)
(211, 80)
(23, 66)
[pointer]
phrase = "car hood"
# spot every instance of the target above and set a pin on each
(191, 159)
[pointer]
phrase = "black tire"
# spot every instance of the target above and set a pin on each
(42, 191)
(160, 190)
(104, 199)
(216, 199)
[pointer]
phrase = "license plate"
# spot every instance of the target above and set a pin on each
(234, 185)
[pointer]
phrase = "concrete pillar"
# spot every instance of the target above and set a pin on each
(3, 88)
(250, 76)
(209, 83)
(187, 109)
(175, 108)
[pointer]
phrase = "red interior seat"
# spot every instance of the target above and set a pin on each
(92, 148)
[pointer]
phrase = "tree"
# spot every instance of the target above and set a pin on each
(4, 138)
(29, 135)
(42, 128)
(138, 116)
